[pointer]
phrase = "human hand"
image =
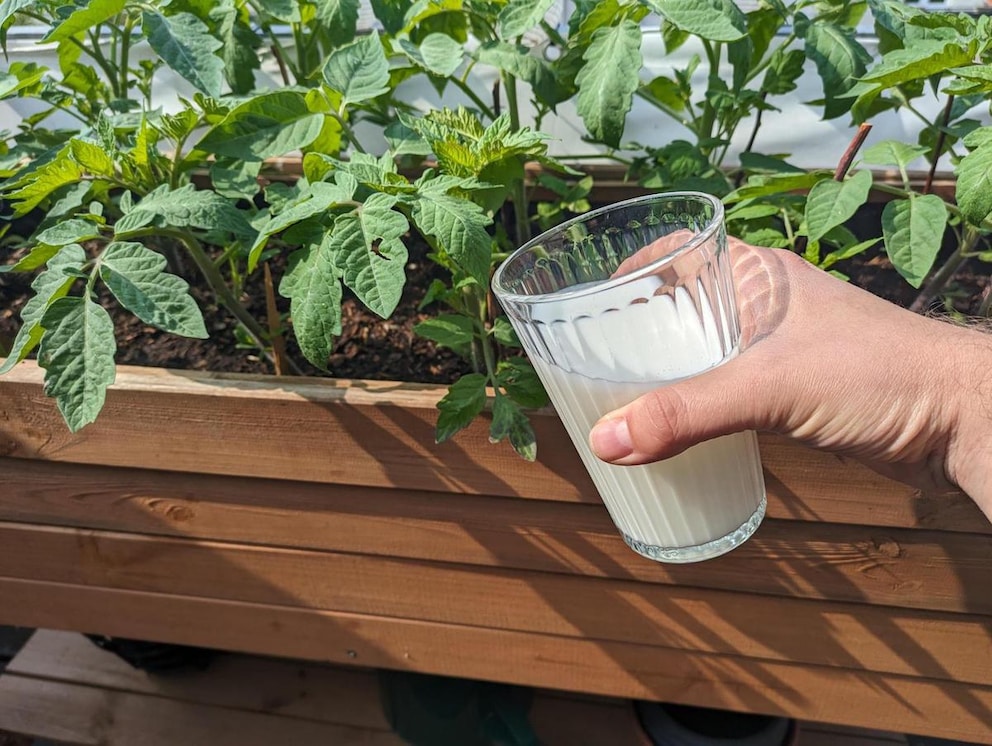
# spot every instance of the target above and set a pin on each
(833, 367)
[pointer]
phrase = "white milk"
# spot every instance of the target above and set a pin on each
(608, 355)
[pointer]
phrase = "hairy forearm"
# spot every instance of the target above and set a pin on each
(969, 458)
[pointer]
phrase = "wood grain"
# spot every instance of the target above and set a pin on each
(88, 716)
(854, 698)
(381, 434)
(298, 689)
(739, 622)
(293, 689)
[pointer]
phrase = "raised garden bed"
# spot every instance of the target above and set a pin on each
(317, 519)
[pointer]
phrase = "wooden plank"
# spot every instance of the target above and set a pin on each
(91, 716)
(540, 535)
(294, 689)
(250, 426)
(856, 635)
(307, 690)
(907, 569)
(856, 698)
(404, 523)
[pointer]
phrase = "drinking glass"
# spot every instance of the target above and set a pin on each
(614, 304)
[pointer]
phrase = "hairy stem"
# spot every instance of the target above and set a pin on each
(519, 197)
(938, 145)
(465, 88)
(125, 52)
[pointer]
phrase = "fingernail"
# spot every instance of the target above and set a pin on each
(610, 439)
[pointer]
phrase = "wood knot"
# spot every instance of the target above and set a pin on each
(179, 513)
(888, 548)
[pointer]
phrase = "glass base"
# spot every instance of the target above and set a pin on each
(700, 552)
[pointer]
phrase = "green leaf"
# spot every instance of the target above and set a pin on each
(608, 80)
(784, 69)
(235, 179)
(358, 71)
(847, 252)
(287, 11)
(7, 10)
(184, 43)
(30, 190)
(504, 334)
(69, 231)
(892, 153)
(238, 50)
(368, 249)
(913, 230)
(459, 225)
(448, 330)
(317, 200)
(85, 17)
(510, 422)
(925, 57)
(767, 163)
(764, 185)
(313, 285)
(186, 207)
(338, 19)
(136, 276)
(464, 401)
(437, 53)
(830, 203)
(521, 382)
(752, 211)
(48, 286)
(520, 16)
(840, 61)
(265, 126)
(77, 353)
(92, 157)
(973, 190)
(716, 20)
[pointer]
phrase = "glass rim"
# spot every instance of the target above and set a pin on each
(712, 226)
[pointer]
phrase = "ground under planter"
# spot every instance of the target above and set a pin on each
(317, 519)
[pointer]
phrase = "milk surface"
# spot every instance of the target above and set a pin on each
(597, 353)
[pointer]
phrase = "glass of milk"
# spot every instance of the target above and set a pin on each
(614, 304)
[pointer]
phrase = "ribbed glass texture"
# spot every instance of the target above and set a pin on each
(613, 305)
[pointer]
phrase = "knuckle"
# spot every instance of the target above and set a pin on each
(663, 420)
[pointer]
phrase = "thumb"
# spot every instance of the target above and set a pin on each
(731, 398)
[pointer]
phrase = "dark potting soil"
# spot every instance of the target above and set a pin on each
(374, 348)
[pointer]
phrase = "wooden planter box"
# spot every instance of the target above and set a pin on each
(317, 519)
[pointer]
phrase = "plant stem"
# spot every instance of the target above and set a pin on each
(348, 131)
(283, 71)
(275, 327)
(942, 276)
(844, 165)
(645, 96)
(473, 96)
(938, 145)
(521, 223)
(125, 53)
(216, 283)
(99, 58)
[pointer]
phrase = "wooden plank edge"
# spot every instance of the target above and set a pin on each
(895, 571)
(250, 426)
(858, 699)
(336, 695)
(88, 716)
